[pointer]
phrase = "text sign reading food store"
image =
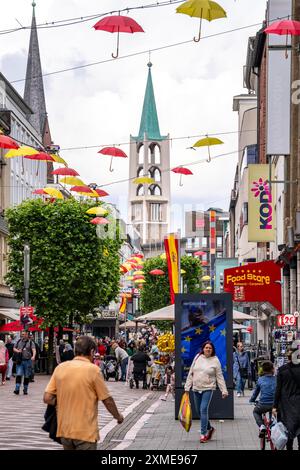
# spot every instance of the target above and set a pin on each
(255, 282)
(261, 207)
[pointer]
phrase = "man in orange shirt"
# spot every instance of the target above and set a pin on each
(75, 388)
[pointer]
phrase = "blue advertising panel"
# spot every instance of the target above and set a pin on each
(198, 318)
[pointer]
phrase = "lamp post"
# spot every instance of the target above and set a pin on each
(26, 273)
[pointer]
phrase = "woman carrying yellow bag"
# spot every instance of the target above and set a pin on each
(185, 412)
(205, 373)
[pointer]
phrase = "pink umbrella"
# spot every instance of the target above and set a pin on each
(118, 24)
(113, 152)
(199, 253)
(284, 27)
(65, 172)
(7, 142)
(182, 171)
(157, 272)
(99, 221)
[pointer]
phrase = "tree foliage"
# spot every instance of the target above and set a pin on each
(156, 290)
(72, 270)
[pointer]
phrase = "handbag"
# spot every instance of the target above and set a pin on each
(243, 370)
(185, 412)
(279, 435)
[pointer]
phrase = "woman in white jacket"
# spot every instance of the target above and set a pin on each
(205, 373)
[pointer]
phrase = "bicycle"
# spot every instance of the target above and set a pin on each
(266, 436)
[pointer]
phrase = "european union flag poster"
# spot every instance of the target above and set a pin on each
(202, 317)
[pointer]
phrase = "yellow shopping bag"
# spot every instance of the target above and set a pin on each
(185, 412)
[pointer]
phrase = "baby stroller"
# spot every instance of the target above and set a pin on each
(111, 368)
(158, 372)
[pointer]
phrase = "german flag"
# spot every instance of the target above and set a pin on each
(171, 247)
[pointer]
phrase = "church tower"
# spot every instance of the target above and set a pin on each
(34, 94)
(149, 205)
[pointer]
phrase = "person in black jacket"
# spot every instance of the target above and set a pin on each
(68, 353)
(287, 398)
(140, 360)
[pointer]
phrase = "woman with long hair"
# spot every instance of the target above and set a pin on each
(204, 375)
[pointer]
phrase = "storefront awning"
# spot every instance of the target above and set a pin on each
(10, 313)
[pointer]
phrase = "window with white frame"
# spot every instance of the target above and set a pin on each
(219, 242)
(137, 212)
(204, 242)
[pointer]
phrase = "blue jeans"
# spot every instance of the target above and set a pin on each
(123, 368)
(23, 369)
(202, 401)
(240, 384)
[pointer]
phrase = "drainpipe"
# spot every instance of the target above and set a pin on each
(293, 290)
(298, 286)
(286, 297)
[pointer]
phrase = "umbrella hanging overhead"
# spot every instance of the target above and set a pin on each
(205, 278)
(99, 221)
(181, 171)
(53, 193)
(39, 192)
(118, 24)
(199, 253)
(138, 273)
(138, 255)
(41, 157)
(101, 193)
(81, 189)
(21, 151)
(143, 180)
(113, 152)
(7, 142)
(65, 172)
(58, 159)
(157, 272)
(284, 27)
(208, 142)
(97, 211)
(72, 180)
(203, 9)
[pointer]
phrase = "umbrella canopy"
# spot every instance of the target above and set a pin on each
(39, 191)
(208, 142)
(81, 189)
(71, 180)
(205, 278)
(118, 24)
(53, 193)
(182, 171)
(113, 152)
(101, 193)
(99, 221)
(7, 142)
(165, 313)
(143, 180)
(236, 315)
(21, 151)
(157, 272)
(139, 281)
(131, 324)
(41, 157)
(283, 27)
(203, 9)
(138, 273)
(58, 159)
(65, 172)
(138, 255)
(97, 211)
(199, 253)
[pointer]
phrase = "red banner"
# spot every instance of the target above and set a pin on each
(171, 247)
(255, 282)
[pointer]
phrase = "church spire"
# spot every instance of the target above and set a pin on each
(149, 120)
(34, 94)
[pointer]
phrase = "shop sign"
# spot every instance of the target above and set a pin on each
(286, 320)
(261, 207)
(255, 282)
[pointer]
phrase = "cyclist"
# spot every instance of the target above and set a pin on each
(265, 387)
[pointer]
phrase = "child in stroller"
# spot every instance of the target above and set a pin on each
(158, 372)
(110, 368)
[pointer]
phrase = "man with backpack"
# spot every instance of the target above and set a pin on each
(24, 355)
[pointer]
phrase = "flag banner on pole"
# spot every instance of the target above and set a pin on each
(123, 304)
(171, 247)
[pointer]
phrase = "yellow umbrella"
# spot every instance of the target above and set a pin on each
(182, 271)
(97, 211)
(144, 180)
(53, 192)
(129, 278)
(93, 194)
(21, 151)
(72, 180)
(205, 278)
(58, 159)
(203, 9)
(140, 281)
(138, 273)
(208, 288)
(207, 142)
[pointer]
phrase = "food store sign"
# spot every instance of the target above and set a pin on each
(286, 320)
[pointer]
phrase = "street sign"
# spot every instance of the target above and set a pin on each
(26, 316)
(26, 311)
(286, 320)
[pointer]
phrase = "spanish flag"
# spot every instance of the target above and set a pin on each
(171, 247)
(123, 303)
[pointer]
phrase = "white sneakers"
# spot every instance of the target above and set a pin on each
(238, 394)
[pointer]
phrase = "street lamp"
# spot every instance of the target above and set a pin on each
(26, 273)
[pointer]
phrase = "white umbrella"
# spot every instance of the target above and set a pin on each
(131, 324)
(165, 313)
(236, 315)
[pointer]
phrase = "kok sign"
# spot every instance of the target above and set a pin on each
(261, 208)
(255, 282)
(286, 320)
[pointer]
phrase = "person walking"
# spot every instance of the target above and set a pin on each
(10, 348)
(4, 358)
(205, 373)
(241, 368)
(140, 361)
(122, 359)
(25, 349)
(68, 353)
(75, 389)
(35, 362)
(287, 399)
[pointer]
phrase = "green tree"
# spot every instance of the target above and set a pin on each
(156, 290)
(72, 269)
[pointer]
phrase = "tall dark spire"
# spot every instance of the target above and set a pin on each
(34, 94)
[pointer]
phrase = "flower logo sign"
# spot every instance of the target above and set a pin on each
(261, 189)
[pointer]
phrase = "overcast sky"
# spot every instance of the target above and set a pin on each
(194, 87)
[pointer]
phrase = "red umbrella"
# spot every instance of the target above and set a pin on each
(65, 172)
(138, 277)
(286, 27)
(7, 142)
(182, 171)
(81, 189)
(40, 191)
(199, 253)
(138, 255)
(157, 272)
(101, 193)
(42, 156)
(118, 24)
(99, 221)
(113, 152)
